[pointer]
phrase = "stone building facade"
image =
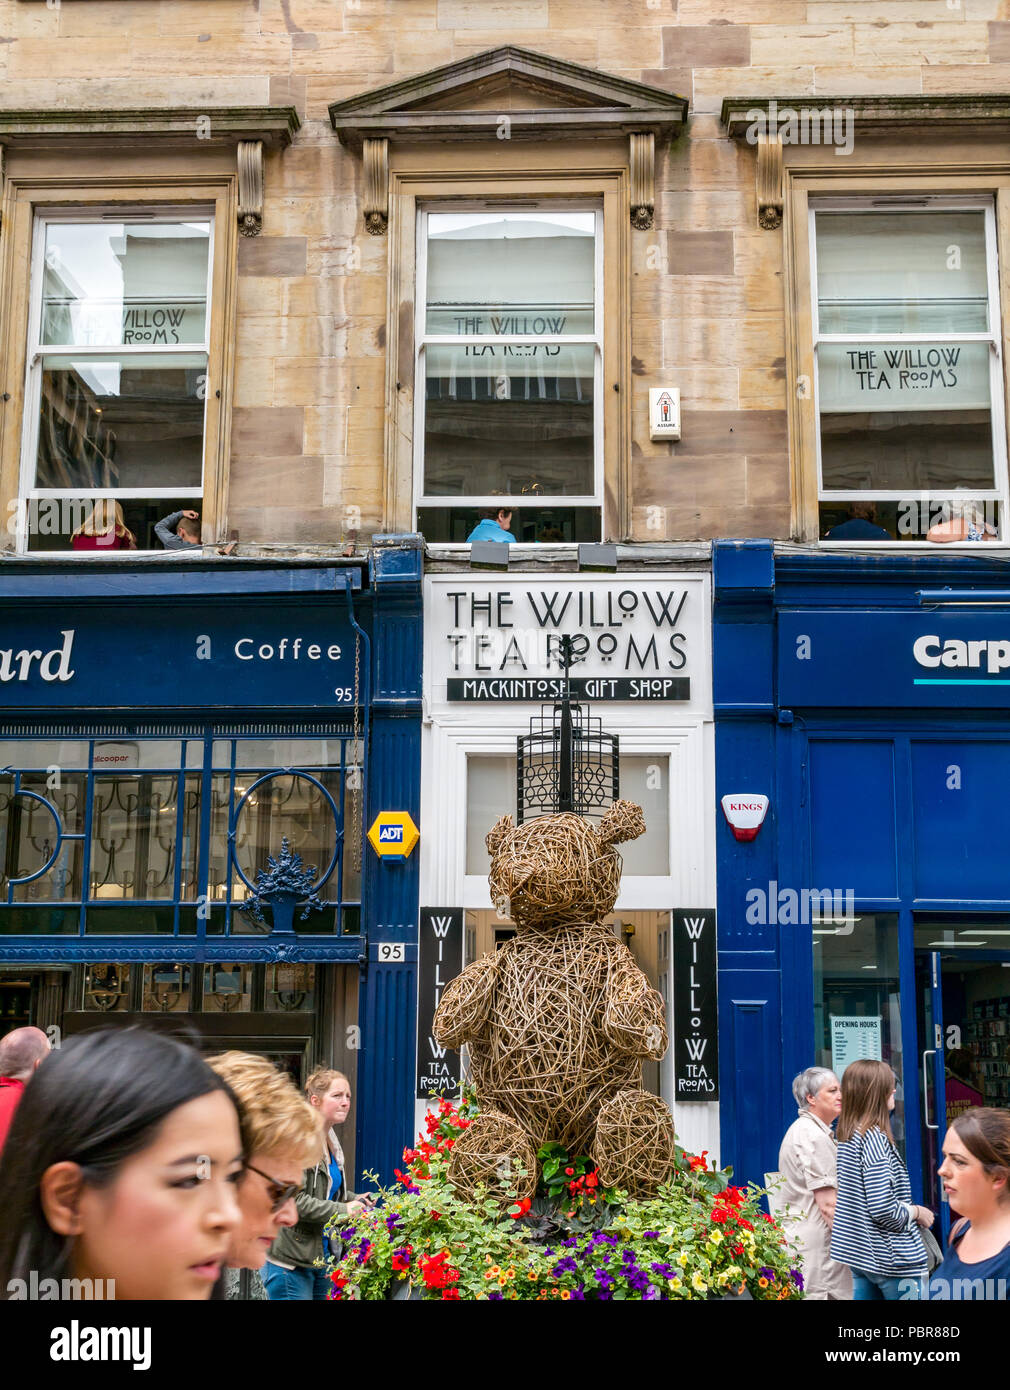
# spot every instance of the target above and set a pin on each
(309, 443)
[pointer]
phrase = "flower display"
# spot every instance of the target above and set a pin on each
(699, 1237)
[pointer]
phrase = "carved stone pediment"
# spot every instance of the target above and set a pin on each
(509, 93)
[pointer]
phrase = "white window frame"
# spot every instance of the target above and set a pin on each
(421, 502)
(910, 205)
(28, 492)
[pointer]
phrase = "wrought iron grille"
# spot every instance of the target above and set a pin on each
(566, 763)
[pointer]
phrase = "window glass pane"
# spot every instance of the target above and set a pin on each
(490, 794)
(101, 525)
(106, 989)
(510, 420)
(646, 781)
(529, 525)
(916, 518)
(133, 836)
(511, 273)
(269, 753)
(902, 272)
(227, 988)
(166, 988)
(292, 808)
(857, 1009)
(28, 834)
(290, 988)
(107, 283)
(44, 752)
(122, 422)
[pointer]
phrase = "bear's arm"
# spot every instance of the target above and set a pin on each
(634, 1018)
(465, 1007)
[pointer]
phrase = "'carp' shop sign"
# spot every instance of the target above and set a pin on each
(635, 640)
(695, 1011)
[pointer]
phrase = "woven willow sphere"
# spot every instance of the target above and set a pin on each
(497, 1152)
(634, 1145)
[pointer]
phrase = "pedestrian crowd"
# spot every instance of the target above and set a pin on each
(133, 1163)
(130, 1161)
(845, 1196)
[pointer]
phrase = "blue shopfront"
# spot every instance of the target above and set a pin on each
(191, 755)
(868, 697)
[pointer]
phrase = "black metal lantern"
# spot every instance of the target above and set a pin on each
(566, 762)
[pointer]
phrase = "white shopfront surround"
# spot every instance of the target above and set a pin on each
(653, 627)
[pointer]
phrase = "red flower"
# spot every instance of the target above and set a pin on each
(737, 1249)
(450, 1293)
(719, 1215)
(698, 1161)
(434, 1216)
(745, 1224)
(592, 1180)
(569, 1172)
(339, 1279)
(522, 1206)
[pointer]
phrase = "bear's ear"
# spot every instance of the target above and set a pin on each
(624, 821)
(498, 834)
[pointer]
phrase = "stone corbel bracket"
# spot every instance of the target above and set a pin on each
(375, 158)
(768, 180)
(250, 187)
(642, 164)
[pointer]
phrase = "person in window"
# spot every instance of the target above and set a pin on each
(178, 530)
(968, 523)
(104, 529)
(493, 526)
(962, 1093)
(862, 525)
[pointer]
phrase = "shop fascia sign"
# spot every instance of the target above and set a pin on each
(893, 658)
(500, 640)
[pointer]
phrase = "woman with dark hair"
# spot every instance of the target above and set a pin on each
(976, 1178)
(121, 1166)
(875, 1230)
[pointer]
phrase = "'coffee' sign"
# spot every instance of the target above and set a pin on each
(695, 1005)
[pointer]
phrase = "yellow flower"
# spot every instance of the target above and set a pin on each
(488, 1274)
(510, 1274)
(565, 1293)
(495, 1270)
(682, 1259)
(675, 1283)
(762, 1282)
(502, 1281)
(534, 1275)
(715, 1238)
(698, 1282)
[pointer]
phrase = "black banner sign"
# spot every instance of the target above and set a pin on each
(439, 959)
(695, 1005)
(480, 688)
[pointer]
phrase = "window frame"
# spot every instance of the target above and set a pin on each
(912, 204)
(28, 489)
(421, 501)
(95, 190)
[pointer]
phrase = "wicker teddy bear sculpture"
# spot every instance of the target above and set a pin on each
(559, 1018)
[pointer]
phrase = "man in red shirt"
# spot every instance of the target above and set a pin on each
(21, 1051)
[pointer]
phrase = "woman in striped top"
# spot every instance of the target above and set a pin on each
(876, 1225)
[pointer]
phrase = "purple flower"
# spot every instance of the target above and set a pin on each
(665, 1271)
(650, 1235)
(391, 1223)
(573, 1240)
(766, 1273)
(604, 1279)
(797, 1278)
(578, 1294)
(494, 1298)
(565, 1266)
(650, 1293)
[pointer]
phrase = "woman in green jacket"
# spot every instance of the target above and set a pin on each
(291, 1271)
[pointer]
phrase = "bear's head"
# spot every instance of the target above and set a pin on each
(554, 871)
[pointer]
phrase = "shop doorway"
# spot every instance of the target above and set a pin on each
(963, 1021)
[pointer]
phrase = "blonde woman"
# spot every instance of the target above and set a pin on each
(291, 1271)
(280, 1135)
(104, 529)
